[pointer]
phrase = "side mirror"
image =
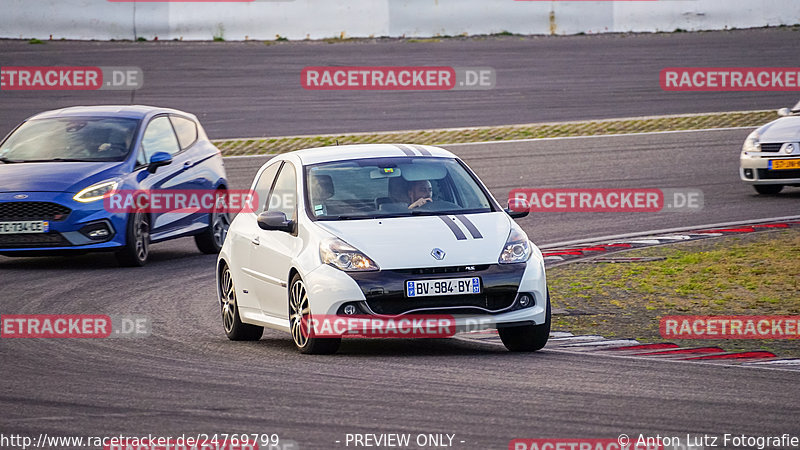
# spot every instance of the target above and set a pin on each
(784, 112)
(157, 160)
(518, 208)
(275, 220)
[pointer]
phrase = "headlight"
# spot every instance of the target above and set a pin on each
(517, 248)
(96, 191)
(344, 256)
(751, 144)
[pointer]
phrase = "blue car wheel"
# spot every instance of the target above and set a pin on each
(137, 241)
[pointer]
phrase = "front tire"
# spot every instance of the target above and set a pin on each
(300, 323)
(768, 189)
(235, 329)
(137, 241)
(527, 338)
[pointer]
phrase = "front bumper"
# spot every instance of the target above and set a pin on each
(754, 169)
(382, 293)
(70, 224)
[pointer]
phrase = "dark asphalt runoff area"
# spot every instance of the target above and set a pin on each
(251, 89)
(187, 378)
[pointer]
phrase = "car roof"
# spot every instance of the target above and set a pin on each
(123, 111)
(360, 151)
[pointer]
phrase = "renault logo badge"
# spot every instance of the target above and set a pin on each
(20, 196)
(438, 254)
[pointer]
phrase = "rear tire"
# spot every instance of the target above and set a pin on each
(137, 241)
(768, 189)
(300, 323)
(527, 338)
(235, 329)
(211, 239)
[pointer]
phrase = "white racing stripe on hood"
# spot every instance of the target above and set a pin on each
(407, 242)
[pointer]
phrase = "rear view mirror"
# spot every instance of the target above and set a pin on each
(275, 221)
(518, 208)
(157, 160)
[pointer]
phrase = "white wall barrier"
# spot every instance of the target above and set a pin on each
(316, 19)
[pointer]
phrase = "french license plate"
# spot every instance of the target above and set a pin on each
(449, 286)
(25, 227)
(784, 164)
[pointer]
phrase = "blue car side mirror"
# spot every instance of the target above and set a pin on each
(157, 160)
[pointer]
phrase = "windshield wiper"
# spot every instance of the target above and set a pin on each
(48, 160)
(433, 213)
(345, 217)
(67, 160)
(5, 160)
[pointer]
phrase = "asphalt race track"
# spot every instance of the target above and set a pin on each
(188, 378)
(250, 89)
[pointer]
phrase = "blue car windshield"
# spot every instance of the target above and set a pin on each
(70, 139)
(392, 187)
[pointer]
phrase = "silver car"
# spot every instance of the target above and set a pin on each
(770, 157)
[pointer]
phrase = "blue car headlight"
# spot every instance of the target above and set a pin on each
(97, 191)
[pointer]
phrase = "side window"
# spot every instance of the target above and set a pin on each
(159, 137)
(185, 129)
(141, 158)
(264, 185)
(284, 195)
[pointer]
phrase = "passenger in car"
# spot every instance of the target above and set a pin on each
(321, 191)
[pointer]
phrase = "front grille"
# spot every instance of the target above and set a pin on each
(435, 270)
(51, 239)
(771, 147)
(33, 211)
(448, 304)
(766, 174)
(385, 290)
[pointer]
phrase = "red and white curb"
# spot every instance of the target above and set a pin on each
(569, 343)
(557, 254)
(596, 249)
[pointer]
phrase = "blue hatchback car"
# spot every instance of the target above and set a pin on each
(58, 167)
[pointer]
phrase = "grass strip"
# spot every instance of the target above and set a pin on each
(281, 144)
(733, 275)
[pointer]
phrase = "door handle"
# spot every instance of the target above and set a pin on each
(255, 241)
(187, 165)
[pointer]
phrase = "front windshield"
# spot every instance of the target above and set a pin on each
(70, 139)
(392, 187)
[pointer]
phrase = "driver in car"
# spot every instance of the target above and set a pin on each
(420, 192)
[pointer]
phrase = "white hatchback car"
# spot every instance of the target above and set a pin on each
(770, 157)
(383, 231)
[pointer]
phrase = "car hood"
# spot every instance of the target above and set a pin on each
(407, 242)
(67, 177)
(785, 129)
